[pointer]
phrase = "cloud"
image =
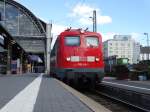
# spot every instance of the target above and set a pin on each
(82, 12)
(103, 19)
(109, 35)
(135, 36)
(139, 37)
(56, 30)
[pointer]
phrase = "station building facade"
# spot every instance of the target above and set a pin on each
(24, 27)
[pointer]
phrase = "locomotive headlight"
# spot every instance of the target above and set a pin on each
(68, 59)
(96, 59)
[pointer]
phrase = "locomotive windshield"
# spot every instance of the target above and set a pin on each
(91, 41)
(72, 41)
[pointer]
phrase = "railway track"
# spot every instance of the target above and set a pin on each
(119, 99)
(130, 101)
(110, 104)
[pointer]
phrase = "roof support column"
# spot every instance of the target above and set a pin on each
(9, 52)
(48, 47)
(21, 62)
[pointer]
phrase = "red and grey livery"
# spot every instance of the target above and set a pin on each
(77, 55)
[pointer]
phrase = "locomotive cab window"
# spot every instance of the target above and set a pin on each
(91, 41)
(72, 41)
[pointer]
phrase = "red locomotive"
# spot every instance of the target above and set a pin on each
(77, 56)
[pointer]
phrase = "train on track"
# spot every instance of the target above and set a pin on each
(77, 57)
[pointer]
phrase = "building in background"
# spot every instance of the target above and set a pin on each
(122, 46)
(144, 53)
(3, 57)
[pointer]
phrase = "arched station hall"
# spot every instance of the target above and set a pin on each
(27, 30)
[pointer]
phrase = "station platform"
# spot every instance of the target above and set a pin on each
(39, 93)
(137, 86)
(55, 96)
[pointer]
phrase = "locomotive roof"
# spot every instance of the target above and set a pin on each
(77, 32)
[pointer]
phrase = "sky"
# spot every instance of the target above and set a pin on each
(124, 17)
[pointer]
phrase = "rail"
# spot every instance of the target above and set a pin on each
(129, 97)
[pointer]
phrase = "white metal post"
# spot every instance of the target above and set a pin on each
(48, 47)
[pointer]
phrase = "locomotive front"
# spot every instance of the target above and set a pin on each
(80, 56)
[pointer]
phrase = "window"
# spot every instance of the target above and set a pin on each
(91, 41)
(122, 44)
(72, 41)
(128, 44)
(17, 22)
(110, 43)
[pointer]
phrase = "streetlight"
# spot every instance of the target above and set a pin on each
(147, 45)
(147, 39)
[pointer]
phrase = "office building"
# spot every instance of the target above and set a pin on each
(123, 46)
